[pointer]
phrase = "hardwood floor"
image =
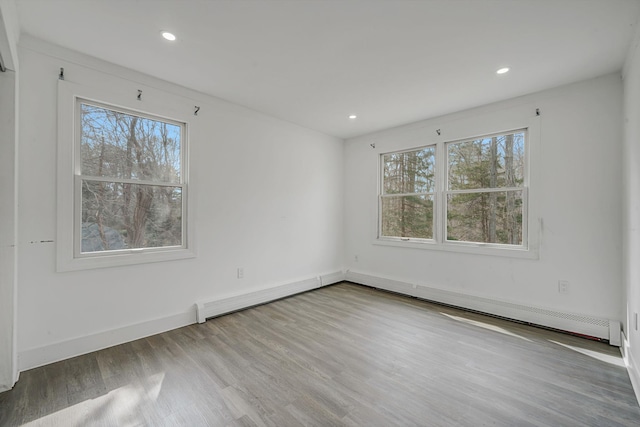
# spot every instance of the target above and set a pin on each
(344, 355)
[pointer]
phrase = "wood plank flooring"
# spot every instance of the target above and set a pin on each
(344, 355)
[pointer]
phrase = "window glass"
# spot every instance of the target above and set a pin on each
(481, 193)
(494, 217)
(478, 210)
(408, 216)
(407, 202)
(131, 181)
(410, 172)
(489, 162)
(125, 146)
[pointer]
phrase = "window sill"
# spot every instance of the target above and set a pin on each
(461, 247)
(123, 258)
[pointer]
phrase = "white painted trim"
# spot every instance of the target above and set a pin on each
(498, 122)
(162, 105)
(39, 356)
(218, 307)
(34, 357)
(331, 278)
(632, 367)
(573, 322)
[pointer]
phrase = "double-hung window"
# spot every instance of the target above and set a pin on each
(485, 189)
(464, 193)
(122, 179)
(408, 190)
(129, 182)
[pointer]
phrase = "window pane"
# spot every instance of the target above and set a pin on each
(124, 216)
(408, 216)
(491, 162)
(122, 146)
(494, 217)
(409, 172)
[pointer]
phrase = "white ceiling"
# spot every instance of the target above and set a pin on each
(315, 62)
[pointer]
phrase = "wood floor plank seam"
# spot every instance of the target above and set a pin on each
(341, 355)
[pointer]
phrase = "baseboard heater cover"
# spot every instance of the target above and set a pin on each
(604, 329)
(214, 308)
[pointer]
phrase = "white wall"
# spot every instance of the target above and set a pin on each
(576, 193)
(8, 197)
(267, 196)
(631, 211)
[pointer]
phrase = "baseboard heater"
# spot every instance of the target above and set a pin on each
(215, 308)
(579, 324)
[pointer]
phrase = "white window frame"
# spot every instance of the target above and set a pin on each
(465, 130)
(434, 195)
(446, 192)
(164, 107)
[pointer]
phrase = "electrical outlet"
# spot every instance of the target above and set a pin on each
(240, 272)
(563, 286)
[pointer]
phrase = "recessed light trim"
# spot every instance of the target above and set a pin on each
(353, 117)
(168, 36)
(503, 70)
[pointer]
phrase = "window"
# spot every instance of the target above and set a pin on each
(407, 194)
(130, 180)
(485, 189)
(122, 177)
(470, 192)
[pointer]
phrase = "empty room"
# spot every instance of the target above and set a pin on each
(319, 213)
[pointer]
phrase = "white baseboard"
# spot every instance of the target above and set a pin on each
(578, 323)
(219, 307)
(39, 356)
(32, 358)
(632, 367)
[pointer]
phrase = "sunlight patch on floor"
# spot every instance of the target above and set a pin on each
(121, 404)
(485, 326)
(607, 358)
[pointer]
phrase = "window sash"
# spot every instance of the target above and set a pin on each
(78, 136)
(521, 209)
(79, 178)
(429, 196)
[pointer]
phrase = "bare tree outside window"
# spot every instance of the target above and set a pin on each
(483, 191)
(131, 178)
(485, 181)
(407, 199)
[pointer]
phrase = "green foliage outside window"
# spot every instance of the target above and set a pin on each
(483, 191)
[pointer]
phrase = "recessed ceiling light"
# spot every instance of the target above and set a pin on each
(353, 116)
(169, 36)
(503, 70)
